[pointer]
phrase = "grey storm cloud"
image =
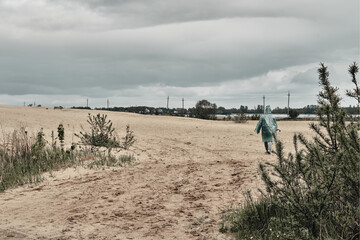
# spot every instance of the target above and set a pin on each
(106, 47)
(139, 13)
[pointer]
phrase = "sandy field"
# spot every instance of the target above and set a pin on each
(186, 174)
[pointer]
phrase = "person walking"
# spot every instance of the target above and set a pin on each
(267, 124)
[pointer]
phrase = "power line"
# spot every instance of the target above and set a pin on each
(183, 109)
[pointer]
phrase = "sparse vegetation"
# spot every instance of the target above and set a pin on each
(315, 192)
(129, 138)
(240, 118)
(255, 117)
(109, 160)
(23, 159)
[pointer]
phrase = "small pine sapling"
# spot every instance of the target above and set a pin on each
(102, 134)
(318, 185)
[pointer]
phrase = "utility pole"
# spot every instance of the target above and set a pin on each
(183, 109)
(264, 103)
(24, 104)
(167, 104)
(107, 103)
(87, 102)
(288, 102)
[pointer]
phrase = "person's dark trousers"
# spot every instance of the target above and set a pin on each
(268, 147)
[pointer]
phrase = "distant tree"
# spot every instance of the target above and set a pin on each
(243, 109)
(205, 110)
(221, 110)
(293, 113)
(309, 109)
(259, 109)
(73, 107)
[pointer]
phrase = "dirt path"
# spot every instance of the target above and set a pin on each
(186, 174)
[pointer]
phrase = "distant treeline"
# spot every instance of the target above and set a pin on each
(81, 108)
(309, 109)
(142, 110)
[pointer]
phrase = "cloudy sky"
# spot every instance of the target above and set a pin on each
(138, 52)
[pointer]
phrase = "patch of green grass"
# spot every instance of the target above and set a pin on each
(254, 220)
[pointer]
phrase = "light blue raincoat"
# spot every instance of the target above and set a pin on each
(267, 124)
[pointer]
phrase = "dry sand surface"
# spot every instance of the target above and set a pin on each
(186, 173)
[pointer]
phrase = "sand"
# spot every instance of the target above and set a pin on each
(186, 174)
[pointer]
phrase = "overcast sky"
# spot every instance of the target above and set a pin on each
(138, 52)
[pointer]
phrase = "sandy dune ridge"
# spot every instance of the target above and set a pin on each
(186, 173)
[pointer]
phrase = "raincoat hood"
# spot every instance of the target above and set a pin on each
(268, 117)
(267, 110)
